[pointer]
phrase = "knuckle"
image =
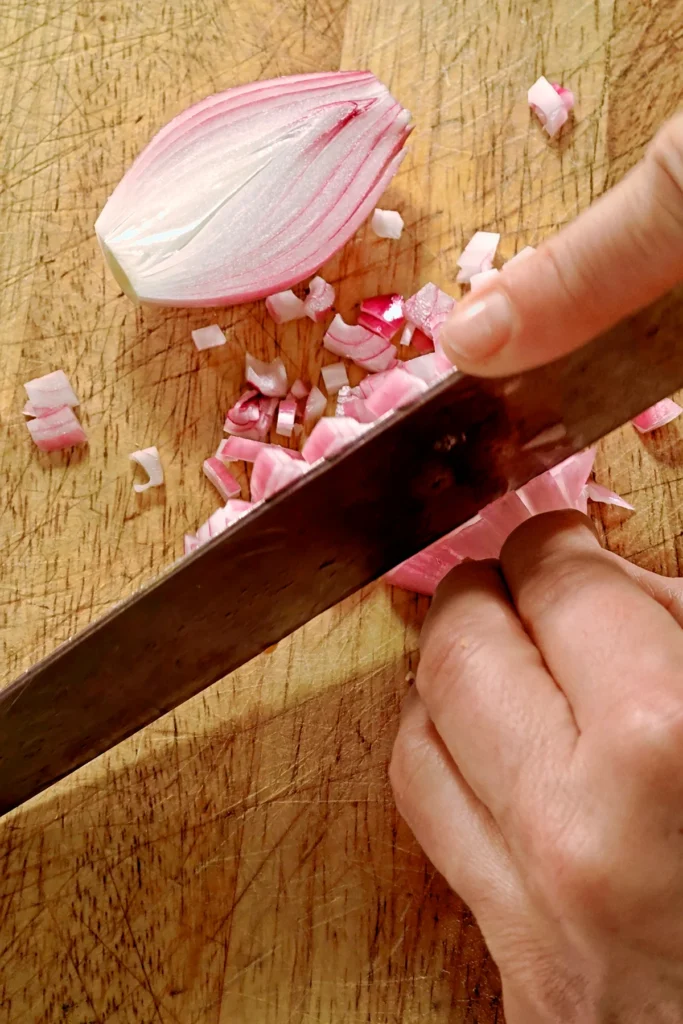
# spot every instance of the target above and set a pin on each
(558, 585)
(404, 769)
(646, 739)
(666, 152)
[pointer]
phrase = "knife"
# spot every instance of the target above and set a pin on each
(412, 478)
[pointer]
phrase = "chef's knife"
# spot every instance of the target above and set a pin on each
(411, 479)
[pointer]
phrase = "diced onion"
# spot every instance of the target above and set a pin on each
(50, 392)
(329, 436)
(657, 415)
(316, 403)
(270, 379)
(428, 309)
(285, 306)
(335, 377)
(548, 105)
(477, 255)
(286, 417)
(56, 430)
(320, 299)
(364, 347)
(383, 315)
(221, 478)
(149, 460)
(387, 223)
(208, 337)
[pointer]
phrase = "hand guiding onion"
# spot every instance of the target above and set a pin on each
(539, 760)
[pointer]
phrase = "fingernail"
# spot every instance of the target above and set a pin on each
(479, 329)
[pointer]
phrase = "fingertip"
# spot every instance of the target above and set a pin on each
(478, 328)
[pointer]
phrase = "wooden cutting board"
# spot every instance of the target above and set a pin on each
(241, 860)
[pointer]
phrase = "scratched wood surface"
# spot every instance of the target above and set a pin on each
(241, 860)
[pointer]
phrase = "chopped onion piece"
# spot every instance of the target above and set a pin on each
(519, 257)
(351, 403)
(270, 379)
(53, 431)
(397, 389)
(50, 392)
(222, 479)
(286, 416)
(329, 436)
(273, 470)
(299, 390)
(658, 415)
(222, 518)
(480, 280)
(477, 255)
(250, 191)
(564, 486)
(150, 461)
(240, 449)
(190, 543)
(30, 410)
(335, 377)
(316, 403)
(407, 335)
(208, 337)
(429, 367)
(320, 299)
(596, 492)
(387, 224)
(251, 416)
(383, 315)
(549, 107)
(566, 95)
(364, 347)
(285, 306)
(428, 309)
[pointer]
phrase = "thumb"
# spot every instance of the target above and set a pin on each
(624, 252)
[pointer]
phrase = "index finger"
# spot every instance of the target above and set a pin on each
(622, 253)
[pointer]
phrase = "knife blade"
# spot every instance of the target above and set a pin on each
(412, 478)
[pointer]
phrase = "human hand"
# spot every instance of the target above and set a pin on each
(539, 762)
(625, 251)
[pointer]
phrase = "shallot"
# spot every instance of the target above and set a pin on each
(248, 192)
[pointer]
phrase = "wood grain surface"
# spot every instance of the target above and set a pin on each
(241, 860)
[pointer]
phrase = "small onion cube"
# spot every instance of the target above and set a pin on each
(477, 255)
(270, 379)
(208, 337)
(387, 224)
(299, 390)
(286, 417)
(149, 460)
(285, 306)
(320, 299)
(316, 403)
(548, 105)
(56, 430)
(50, 392)
(221, 478)
(335, 377)
(407, 336)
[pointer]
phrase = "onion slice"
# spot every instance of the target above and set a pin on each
(202, 217)
(320, 299)
(149, 460)
(208, 337)
(221, 478)
(56, 430)
(658, 415)
(387, 224)
(48, 393)
(364, 347)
